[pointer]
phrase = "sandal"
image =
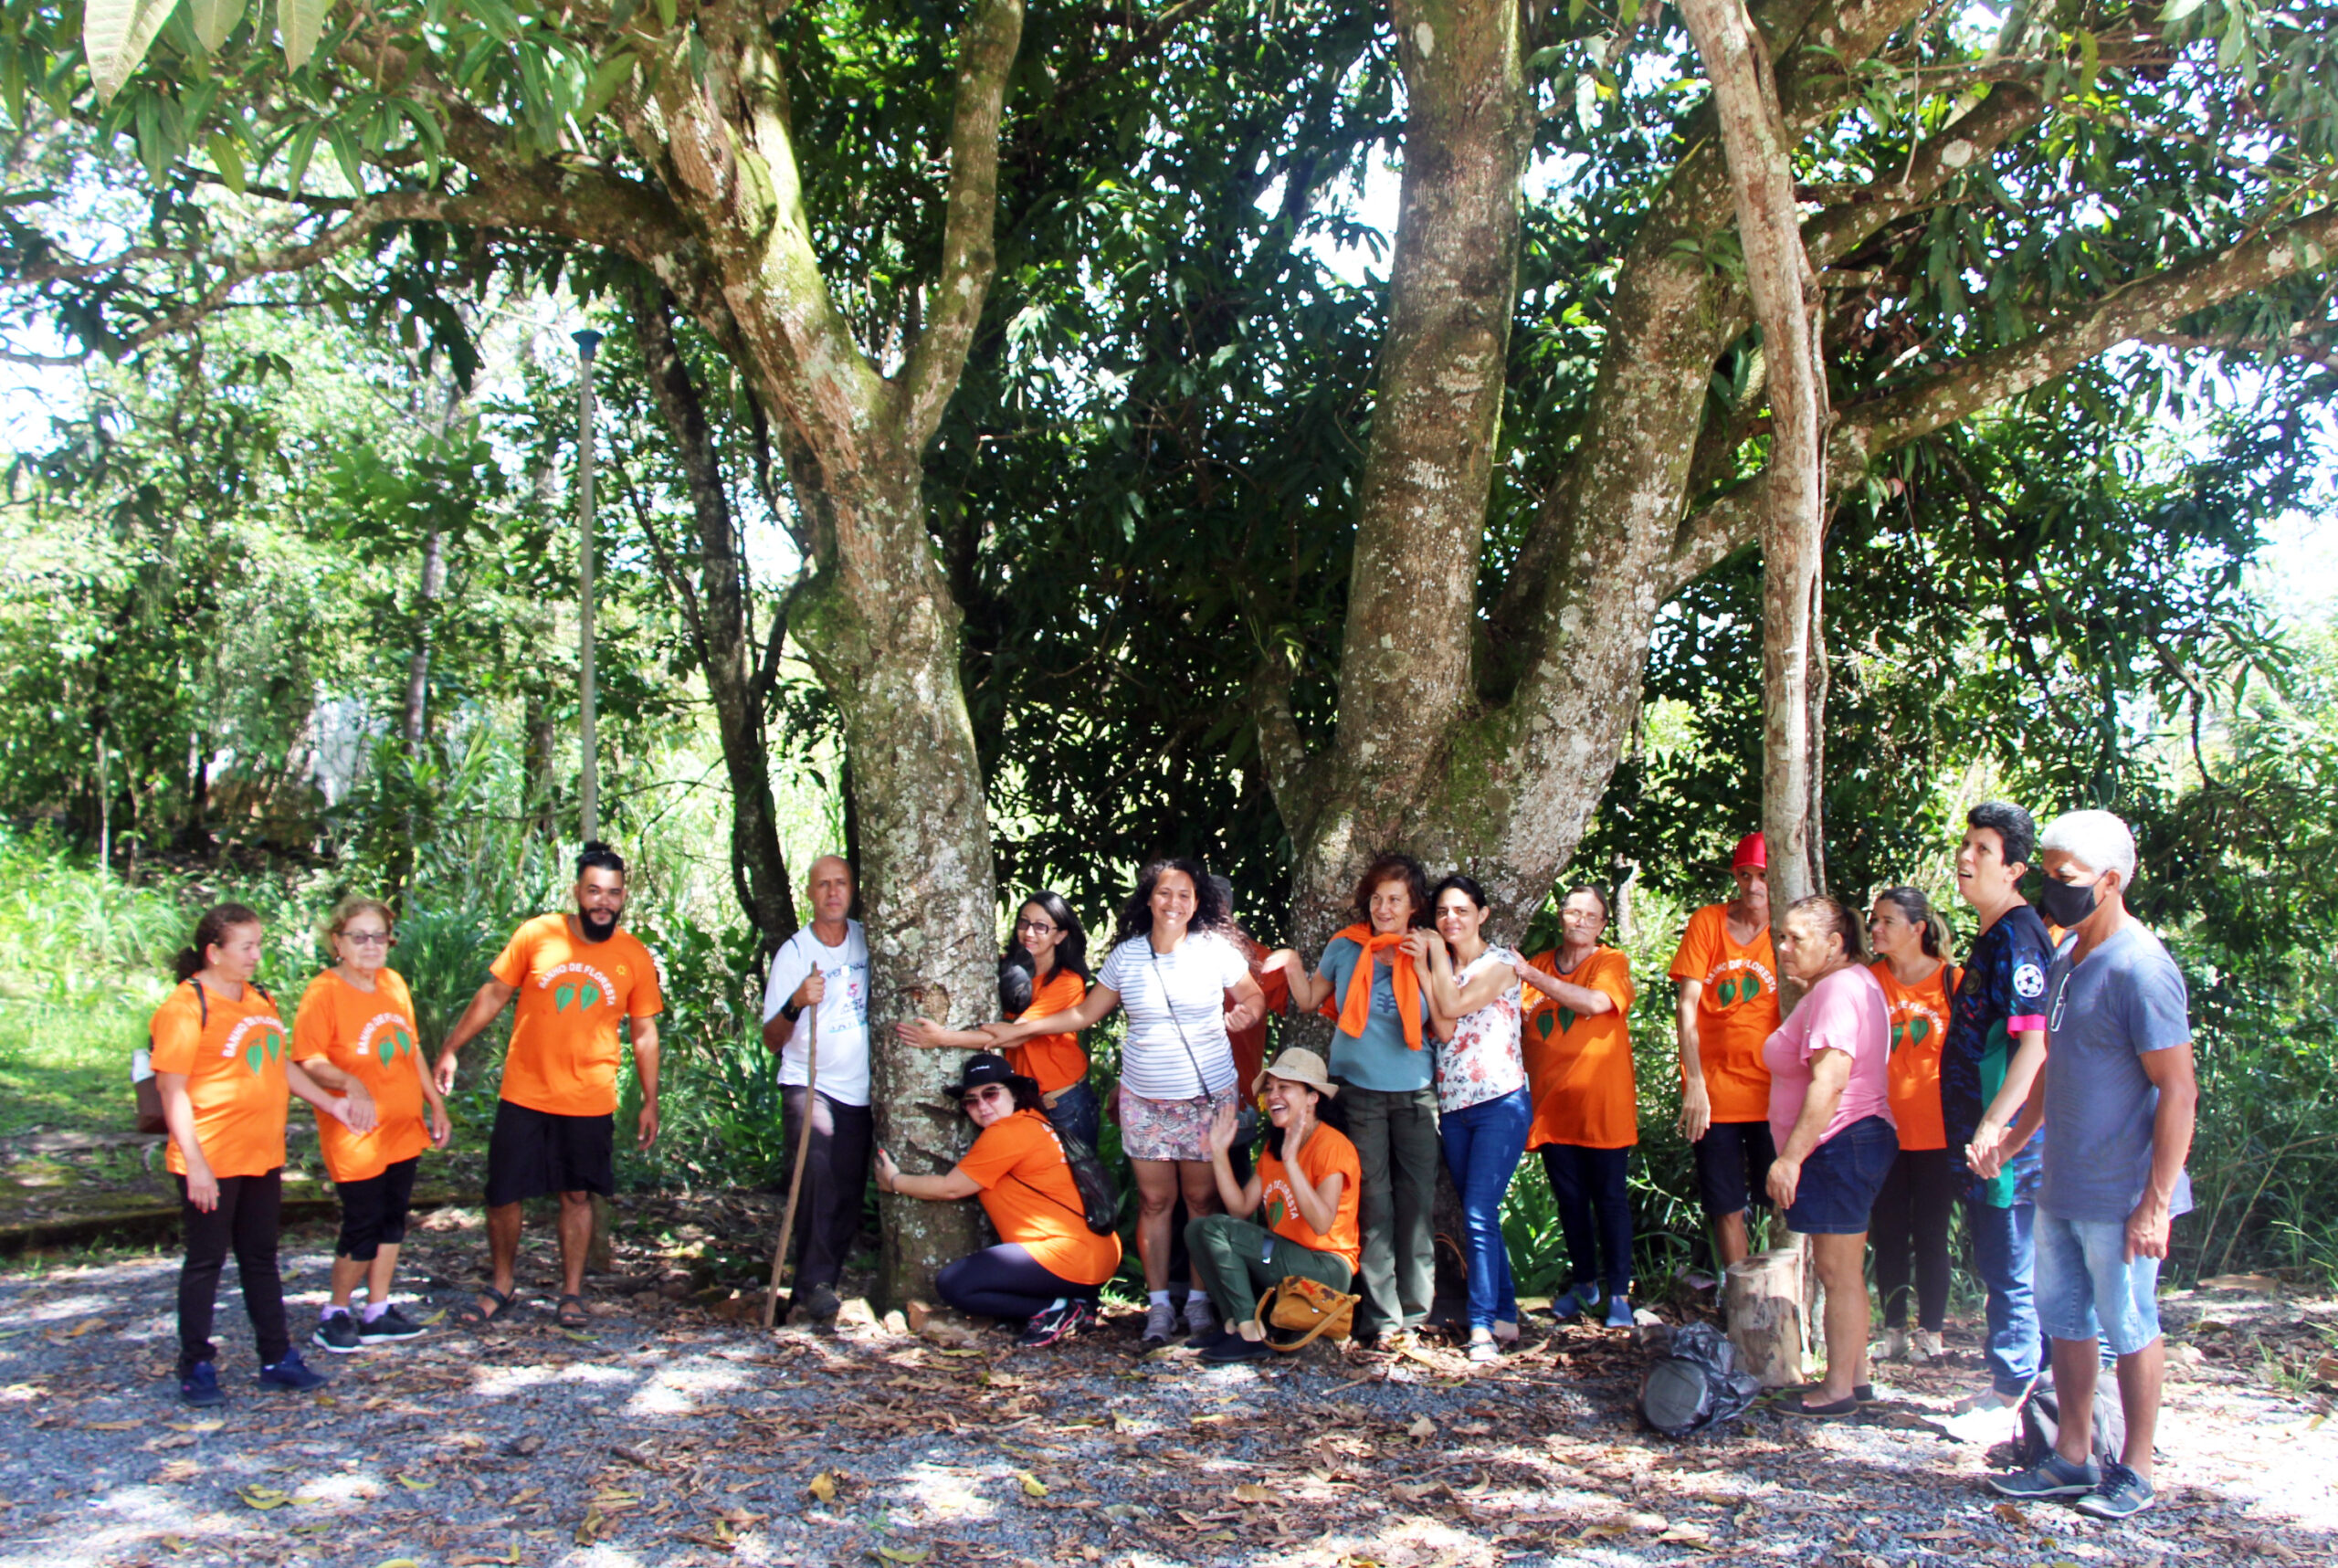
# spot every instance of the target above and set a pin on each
(1800, 1404)
(478, 1316)
(574, 1318)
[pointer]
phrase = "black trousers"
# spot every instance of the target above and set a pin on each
(836, 1181)
(1594, 1213)
(1005, 1281)
(1910, 1225)
(244, 1221)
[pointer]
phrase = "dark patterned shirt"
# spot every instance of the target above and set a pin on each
(2003, 994)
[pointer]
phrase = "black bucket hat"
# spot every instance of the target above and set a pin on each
(988, 1067)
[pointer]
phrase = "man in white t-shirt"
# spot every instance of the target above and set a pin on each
(817, 998)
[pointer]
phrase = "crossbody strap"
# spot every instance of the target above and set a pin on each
(1043, 1192)
(1201, 1080)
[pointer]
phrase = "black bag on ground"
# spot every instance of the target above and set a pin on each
(2041, 1424)
(1695, 1383)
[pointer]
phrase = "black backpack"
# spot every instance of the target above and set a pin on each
(1099, 1201)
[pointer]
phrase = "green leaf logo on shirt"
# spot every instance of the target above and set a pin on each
(1567, 1019)
(1919, 1030)
(1727, 992)
(586, 994)
(562, 996)
(1750, 987)
(1274, 1214)
(253, 1057)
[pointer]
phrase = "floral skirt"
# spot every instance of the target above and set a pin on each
(1170, 1129)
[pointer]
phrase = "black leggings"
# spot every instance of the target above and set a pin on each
(1005, 1281)
(1593, 1201)
(244, 1221)
(1910, 1216)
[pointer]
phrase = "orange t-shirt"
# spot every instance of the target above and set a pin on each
(1056, 1061)
(1327, 1152)
(564, 1055)
(1919, 1028)
(1580, 1068)
(1250, 1045)
(373, 1036)
(1028, 1193)
(1738, 1011)
(233, 1056)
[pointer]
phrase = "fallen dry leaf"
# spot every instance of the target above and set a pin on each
(1251, 1491)
(1032, 1485)
(824, 1487)
(1422, 1427)
(903, 1553)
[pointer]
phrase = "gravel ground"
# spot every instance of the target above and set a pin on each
(670, 1436)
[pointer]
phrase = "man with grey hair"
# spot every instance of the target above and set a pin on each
(2116, 1100)
(823, 970)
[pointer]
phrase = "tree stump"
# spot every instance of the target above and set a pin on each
(1769, 1320)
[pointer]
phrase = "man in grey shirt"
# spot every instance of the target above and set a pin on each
(2116, 1099)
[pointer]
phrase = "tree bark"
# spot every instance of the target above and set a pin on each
(720, 615)
(432, 584)
(1779, 279)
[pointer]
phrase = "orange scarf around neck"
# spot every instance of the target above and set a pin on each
(1355, 1007)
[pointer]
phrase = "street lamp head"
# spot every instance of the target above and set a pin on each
(588, 340)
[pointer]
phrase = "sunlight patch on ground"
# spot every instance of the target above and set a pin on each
(678, 1390)
(504, 1382)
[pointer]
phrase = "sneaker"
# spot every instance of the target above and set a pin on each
(392, 1324)
(1234, 1348)
(1085, 1315)
(2053, 1477)
(1892, 1346)
(200, 1385)
(1924, 1344)
(821, 1305)
(1200, 1316)
(338, 1333)
(1160, 1322)
(291, 1373)
(1210, 1340)
(1619, 1313)
(2122, 1495)
(1047, 1325)
(1574, 1303)
(1482, 1348)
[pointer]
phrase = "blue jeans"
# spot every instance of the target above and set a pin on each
(1483, 1145)
(2004, 1254)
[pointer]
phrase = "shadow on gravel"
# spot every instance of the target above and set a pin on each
(666, 1437)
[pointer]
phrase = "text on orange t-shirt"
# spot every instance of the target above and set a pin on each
(1919, 1027)
(1032, 1199)
(372, 1036)
(1327, 1152)
(1056, 1061)
(233, 1056)
(1736, 1015)
(563, 1060)
(1579, 1067)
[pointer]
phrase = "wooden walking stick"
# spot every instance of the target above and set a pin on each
(796, 1181)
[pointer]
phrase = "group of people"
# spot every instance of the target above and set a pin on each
(2047, 1088)
(1892, 1089)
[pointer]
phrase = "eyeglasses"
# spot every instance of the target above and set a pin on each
(987, 1092)
(1035, 927)
(369, 938)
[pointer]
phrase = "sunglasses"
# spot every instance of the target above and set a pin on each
(987, 1092)
(369, 939)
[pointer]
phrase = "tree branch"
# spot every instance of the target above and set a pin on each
(937, 355)
(2148, 304)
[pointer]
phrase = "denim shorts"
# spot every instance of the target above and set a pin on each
(1841, 1177)
(2087, 1289)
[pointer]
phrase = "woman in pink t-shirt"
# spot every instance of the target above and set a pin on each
(1831, 1115)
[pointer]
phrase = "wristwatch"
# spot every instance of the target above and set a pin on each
(790, 1011)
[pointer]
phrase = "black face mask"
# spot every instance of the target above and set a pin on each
(2066, 903)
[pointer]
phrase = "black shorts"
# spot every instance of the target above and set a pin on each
(534, 1154)
(1733, 1167)
(373, 1211)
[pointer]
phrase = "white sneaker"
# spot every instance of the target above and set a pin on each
(1923, 1345)
(1200, 1316)
(1892, 1346)
(1159, 1321)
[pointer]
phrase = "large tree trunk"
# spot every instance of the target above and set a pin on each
(719, 610)
(876, 619)
(433, 584)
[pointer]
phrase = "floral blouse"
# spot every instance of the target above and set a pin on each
(1482, 1060)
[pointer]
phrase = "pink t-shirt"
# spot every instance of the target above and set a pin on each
(1845, 1012)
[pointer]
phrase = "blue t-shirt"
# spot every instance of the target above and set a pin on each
(1380, 1059)
(2001, 995)
(2101, 1016)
